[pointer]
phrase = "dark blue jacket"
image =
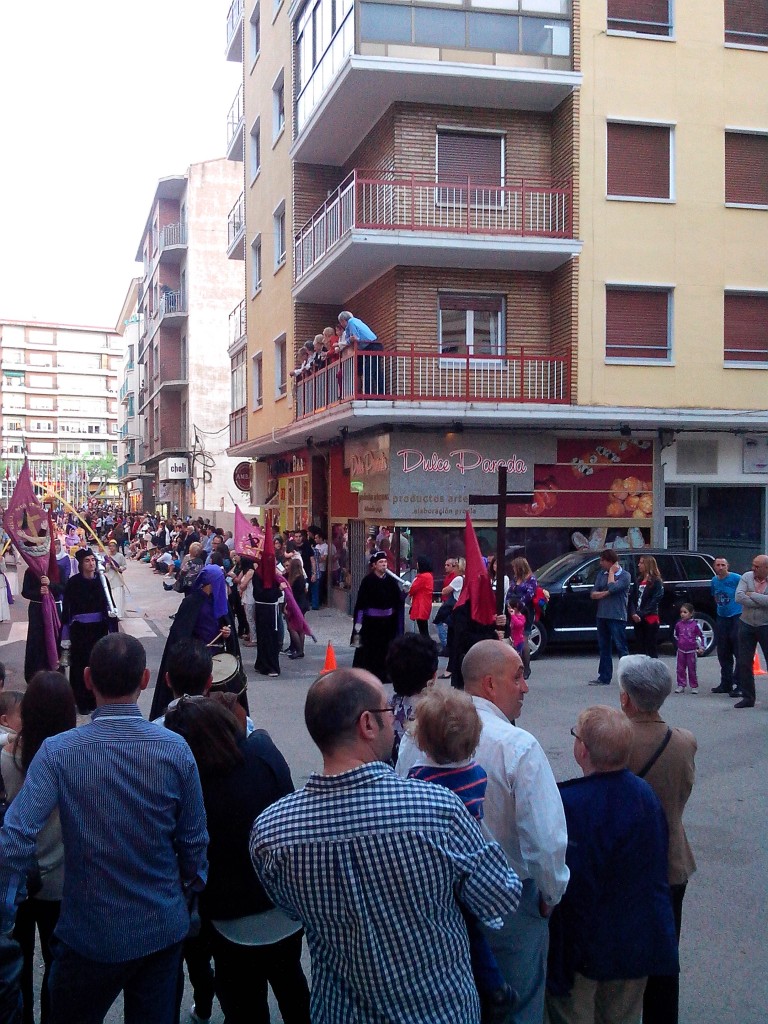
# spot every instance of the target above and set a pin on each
(615, 921)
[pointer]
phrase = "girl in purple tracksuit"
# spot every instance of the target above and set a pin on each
(690, 642)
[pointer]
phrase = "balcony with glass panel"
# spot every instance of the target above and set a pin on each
(236, 128)
(355, 58)
(236, 230)
(234, 47)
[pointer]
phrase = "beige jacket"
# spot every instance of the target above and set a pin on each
(671, 778)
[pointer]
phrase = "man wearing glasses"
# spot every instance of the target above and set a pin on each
(373, 866)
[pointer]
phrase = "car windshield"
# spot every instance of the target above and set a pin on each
(553, 571)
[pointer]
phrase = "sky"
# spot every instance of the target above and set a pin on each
(98, 100)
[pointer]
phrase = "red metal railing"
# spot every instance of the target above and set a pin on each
(415, 376)
(409, 203)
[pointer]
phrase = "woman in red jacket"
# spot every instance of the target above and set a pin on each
(421, 595)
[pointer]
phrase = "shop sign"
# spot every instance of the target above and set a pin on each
(242, 476)
(432, 475)
(176, 468)
(368, 462)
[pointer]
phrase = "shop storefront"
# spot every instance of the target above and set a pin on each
(715, 488)
(413, 488)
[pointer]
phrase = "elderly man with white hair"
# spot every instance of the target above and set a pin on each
(369, 367)
(664, 757)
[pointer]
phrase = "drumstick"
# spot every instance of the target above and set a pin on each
(220, 633)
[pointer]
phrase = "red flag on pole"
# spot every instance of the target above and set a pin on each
(477, 583)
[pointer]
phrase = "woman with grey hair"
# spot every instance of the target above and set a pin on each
(664, 757)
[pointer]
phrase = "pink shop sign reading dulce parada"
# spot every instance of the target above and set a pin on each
(463, 460)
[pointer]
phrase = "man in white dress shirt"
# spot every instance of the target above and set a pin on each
(524, 813)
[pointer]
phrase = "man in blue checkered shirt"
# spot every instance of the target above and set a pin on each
(373, 866)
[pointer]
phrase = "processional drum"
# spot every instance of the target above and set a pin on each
(226, 672)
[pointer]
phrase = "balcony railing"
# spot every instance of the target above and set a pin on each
(237, 323)
(414, 376)
(527, 208)
(124, 390)
(234, 15)
(238, 426)
(236, 221)
(235, 116)
(173, 234)
(172, 302)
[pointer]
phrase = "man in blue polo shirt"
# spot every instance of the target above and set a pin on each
(369, 367)
(723, 586)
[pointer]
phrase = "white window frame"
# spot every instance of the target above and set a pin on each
(641, 122)
(452, 358)
(255, 34)
(257, 266)
(671, 38)
(254, 151)
(257, 381)
(280, 235)
(281, 366)
(648, 287)
(278, 104)
(728, 130)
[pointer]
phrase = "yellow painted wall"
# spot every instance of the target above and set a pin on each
(695, 244)
(270, 312)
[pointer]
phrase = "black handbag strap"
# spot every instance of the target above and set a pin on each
(655, 756)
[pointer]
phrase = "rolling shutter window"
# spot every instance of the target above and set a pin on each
(746, 328)
(648, 17)
(746, 169)
(461, 155)
(638, 161)
(746, 22)
(637, 323)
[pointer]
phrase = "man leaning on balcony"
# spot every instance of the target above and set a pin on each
(369, 367)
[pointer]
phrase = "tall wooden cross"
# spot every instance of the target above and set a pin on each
(501, 499)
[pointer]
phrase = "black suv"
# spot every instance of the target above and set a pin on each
(570, 614)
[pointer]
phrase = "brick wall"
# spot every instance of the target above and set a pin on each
(309, 319)
(565, 326)
(311, 185)
(377, 150)
(379, 306)
(169, 354)
(528, 137)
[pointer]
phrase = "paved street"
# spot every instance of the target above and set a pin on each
(724, 949)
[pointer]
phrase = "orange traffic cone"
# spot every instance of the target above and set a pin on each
(330, 659)
(757, 669)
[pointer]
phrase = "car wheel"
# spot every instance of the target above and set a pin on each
(707, 627)
(537, 640)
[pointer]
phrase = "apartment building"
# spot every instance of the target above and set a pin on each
(58, 391)
(135, 484)
(188, 288)
(473, 183)
(673, 299)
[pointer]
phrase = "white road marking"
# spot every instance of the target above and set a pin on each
(17, 634)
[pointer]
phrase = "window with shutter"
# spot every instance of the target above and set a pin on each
(638, 323)
(639, 161)
(643, 17)
(474, 157)
(745, 328)
(471, 324)
(746, 169)
(746, 22)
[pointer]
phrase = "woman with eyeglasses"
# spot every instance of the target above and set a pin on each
(253, 943)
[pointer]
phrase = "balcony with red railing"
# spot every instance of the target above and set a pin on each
(414, 376)
(371, 222)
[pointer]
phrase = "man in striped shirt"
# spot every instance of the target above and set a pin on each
(373, 865)
(134, 837)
